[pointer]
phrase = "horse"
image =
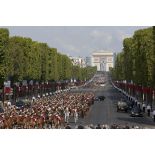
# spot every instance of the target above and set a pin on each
(41, 122)
(58, 121)
(19, 121)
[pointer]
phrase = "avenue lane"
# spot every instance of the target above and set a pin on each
(104, 112)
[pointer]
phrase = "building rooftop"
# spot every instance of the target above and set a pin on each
(102, 52)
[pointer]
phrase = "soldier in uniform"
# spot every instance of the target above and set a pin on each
(153, 115)
(67, 114)
(143, 107)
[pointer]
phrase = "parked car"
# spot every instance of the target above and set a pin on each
(136, 112)
(99, 98)
(122, 106)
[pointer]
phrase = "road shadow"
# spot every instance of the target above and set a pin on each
(138, 120)
(114, 97)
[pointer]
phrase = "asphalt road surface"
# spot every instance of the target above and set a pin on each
(104, 112)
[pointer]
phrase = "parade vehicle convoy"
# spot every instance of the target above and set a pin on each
(20, 104)
(122, 106)
(99, 98)
(136, 112)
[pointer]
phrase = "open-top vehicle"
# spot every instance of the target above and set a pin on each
(122, 106)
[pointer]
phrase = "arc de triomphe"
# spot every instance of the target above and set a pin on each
(103, 60)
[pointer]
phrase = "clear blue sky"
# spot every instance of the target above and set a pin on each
(77, 40)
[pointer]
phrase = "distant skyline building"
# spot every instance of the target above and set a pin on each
(89, 61)
(78, 61)
(103, 60)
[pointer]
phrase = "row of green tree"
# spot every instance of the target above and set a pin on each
(136, 63)
(25, 59)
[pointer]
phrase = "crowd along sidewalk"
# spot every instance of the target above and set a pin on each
(133, 98)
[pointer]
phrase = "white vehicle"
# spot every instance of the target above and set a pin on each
(122, 106)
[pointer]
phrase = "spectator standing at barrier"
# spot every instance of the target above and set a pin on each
(153, 115)
(138, 104)
(143, 107)
(148, 110)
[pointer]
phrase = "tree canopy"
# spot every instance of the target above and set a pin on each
(136, 62)
(24, 59)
